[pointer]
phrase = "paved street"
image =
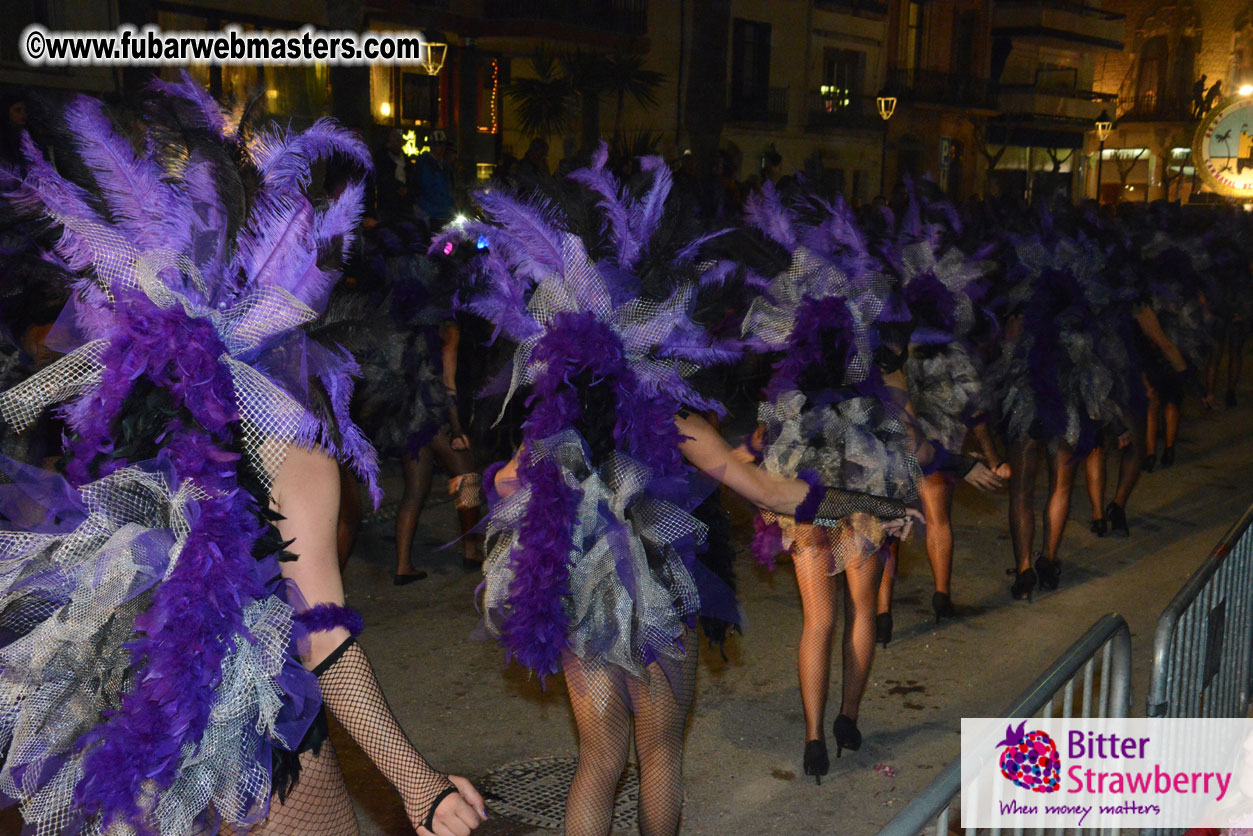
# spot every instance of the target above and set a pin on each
(470, 714)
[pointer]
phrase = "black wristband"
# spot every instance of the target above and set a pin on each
(429, 824)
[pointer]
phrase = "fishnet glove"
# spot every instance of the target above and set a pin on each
(836, 505)
(351, 692)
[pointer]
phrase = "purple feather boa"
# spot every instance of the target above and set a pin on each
(808, 509)
(535, 629)
(196, 613)
(767, 541)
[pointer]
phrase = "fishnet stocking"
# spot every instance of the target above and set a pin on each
(351, 692)
(317, 806)
(603, 699)
(818, 591)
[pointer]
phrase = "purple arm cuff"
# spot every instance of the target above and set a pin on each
(808, 509)
(326, 617)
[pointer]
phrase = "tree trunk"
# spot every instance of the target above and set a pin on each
(705, 108)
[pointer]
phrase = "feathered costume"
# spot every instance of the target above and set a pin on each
(595, 553)
(941, 286)
(149, 679)
(830, 418)
(404, 400)
(1055, 379)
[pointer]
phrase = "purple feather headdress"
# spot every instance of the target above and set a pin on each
(180, 296)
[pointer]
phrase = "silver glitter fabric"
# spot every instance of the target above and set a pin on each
(945, 388)
(617, 527)
(70, 600)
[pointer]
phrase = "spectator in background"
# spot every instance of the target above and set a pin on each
(1198, 98)
(435, 181)
(1215, 93)
(533, 170)
(393, 180)
(13, 106)
(505, 173)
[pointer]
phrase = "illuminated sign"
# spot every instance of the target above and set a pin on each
(1223, 148)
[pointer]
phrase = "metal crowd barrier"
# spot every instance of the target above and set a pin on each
(1105, 692)
(1203, 649)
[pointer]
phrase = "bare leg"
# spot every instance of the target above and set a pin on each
(1094, 467)
(818, 595)
(417, 488)
(1151, 423)
(1171, 411)
(884, 601)
(1061, 482)
(1131, 458)
(603, 720)
(936, 493)
(661, 707)
(1235, 355)
(468, 492)
(1024, 457)
(862, 578)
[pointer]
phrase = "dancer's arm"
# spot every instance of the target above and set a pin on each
(973, 471)
(450, 337)
(1146, 318)
(306, 494)
(709, 452)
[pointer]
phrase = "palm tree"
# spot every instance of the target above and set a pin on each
(545, 102)
(627, 77)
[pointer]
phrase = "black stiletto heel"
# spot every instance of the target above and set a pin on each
(1049, 572)
(883, 628)
(942, 604)
(817, 762)
(1168, 457)
(1024, 584)
(846, 735)
(1117, 520)
(1150, 462)
(1099, 527)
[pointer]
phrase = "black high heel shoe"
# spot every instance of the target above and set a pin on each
(846, 735)
(942, 604)
(1049, 572)
(1150, 462)
(883, 628)
(817, 762)
(1117, 520)
(1168, 457)
(1099, 527)
(1024, 584)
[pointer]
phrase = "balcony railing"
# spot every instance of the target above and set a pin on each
(767, 107)
(927, 87)
(1155, 108)
(627, 17)
(876, 8)
(1059, 20)
(852, 113)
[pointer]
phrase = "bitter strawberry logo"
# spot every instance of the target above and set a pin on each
(1030, 759)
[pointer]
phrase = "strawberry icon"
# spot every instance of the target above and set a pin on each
(1030, 759)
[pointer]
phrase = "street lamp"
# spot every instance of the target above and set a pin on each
(886, 106)
(1103, 126)
(434, 61)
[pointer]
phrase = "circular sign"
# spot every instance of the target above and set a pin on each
(1223, 147)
